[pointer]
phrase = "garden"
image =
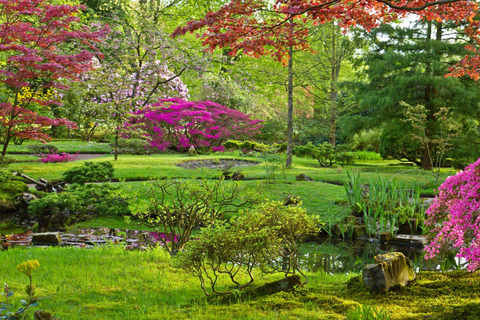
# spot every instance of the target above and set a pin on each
(246, 159)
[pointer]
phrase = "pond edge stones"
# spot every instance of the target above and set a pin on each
(47, 239)
(389, 270)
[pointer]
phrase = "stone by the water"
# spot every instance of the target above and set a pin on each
(303, 177)
(47, 238)
(390, 269)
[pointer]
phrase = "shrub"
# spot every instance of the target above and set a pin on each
(323, 153)
(76, 201)
(54, 157)
(178, 207)
(134, 146)
(179, 124)
(454, 217)
(267, 238)
(89, 172)
(5, 161)
(42, 149)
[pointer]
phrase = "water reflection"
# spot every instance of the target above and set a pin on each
(333, 255)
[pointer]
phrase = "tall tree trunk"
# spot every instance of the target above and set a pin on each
(288, 163)
(333, 89)
(426, 162)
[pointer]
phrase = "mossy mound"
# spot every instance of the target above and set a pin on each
(9, 190)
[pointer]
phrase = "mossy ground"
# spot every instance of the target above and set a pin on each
(113, 283)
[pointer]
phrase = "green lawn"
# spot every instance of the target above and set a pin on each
(114, 283)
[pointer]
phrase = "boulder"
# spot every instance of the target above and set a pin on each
(284, 284)
(192, 152)
(47, 238)
(42, 315)
(291, 200)
(390, 269)
(303, 177)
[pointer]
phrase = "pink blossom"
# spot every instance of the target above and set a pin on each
(454, 217)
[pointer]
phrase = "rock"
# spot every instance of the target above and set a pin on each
(237, 176)
(303, 177)
(42, 315)
(385, 236)
(291, 200)
(192, 152)
(285, 284)
(390, 269)
(47, 238)
(411, 240)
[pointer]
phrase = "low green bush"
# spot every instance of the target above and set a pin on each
(41, 149)
(101, 199)
(134, 146)
(89, 172)
(265, 239)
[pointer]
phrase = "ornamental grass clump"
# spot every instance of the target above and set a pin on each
(454, 217)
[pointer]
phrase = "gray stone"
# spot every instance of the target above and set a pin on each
(412, 240)
(390, 270)
(42, 315)
(303, 177)
(192, 152)
(291, 200)
(47, 238)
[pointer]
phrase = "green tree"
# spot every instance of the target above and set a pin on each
(406, 68)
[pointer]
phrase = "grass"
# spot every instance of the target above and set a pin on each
(113, 283)
(325, 196)
(69, 146)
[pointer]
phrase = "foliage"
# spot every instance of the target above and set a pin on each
(179, 124)
(5, 161)
(453, 217)
(26, 268)
(55, 157)
(242, 26)
(383, 203)
(267, 237)
(38, 41)
(324, 153)
(89, 172)
(423, 111)
(77, 200)
(367, 312)
(366, 140)
(134, 146)
(42, 149)
(274, 161)
(176, 208)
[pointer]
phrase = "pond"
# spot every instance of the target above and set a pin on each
(331, 255)
(335, 255)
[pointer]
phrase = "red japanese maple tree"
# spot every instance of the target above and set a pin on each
(262, 27)
(41, 45)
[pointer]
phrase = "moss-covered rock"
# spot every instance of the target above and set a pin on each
(9, 191)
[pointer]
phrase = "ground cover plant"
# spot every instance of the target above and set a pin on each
(146, 285)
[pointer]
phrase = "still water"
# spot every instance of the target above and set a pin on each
(334, 255)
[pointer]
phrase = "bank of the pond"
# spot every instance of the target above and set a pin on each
(111, 283)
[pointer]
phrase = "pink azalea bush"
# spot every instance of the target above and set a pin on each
(179, 124)
(55, 157)
(454, 217)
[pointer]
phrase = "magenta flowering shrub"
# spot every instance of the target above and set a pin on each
(178, 124)
(454, 217)
(55, 157)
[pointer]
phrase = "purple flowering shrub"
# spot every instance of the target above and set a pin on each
(178, 124)
(55, 157)
(454, 217)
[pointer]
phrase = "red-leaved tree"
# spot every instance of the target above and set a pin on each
(275, 28)
(179, 124)
(41, 44)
